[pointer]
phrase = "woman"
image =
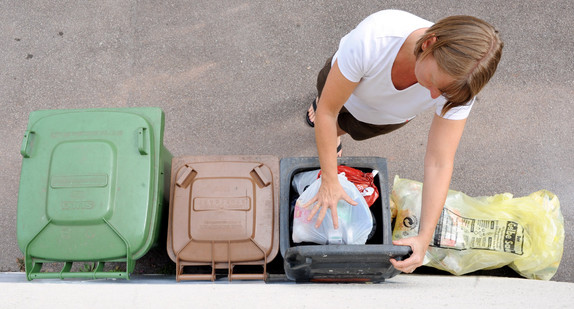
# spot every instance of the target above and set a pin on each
(390, 68)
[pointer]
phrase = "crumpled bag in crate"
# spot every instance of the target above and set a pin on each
(525, 233)
(365, 182)
(355, 222)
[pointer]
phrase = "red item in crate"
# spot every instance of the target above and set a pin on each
(365, 182)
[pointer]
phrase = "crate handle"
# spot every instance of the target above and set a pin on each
(26, 143)
(141, 141)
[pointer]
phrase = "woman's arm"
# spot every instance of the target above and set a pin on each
(335, 93)
(444, 137)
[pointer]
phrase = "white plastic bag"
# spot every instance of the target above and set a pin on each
(303, 180)
(355, 222)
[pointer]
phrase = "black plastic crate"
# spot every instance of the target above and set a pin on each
(339, 263)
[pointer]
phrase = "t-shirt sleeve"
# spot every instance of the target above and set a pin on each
(457, 113)
(350, 56)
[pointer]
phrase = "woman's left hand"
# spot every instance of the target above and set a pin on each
(419, 247)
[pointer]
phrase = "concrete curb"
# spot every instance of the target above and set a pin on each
(403, 291)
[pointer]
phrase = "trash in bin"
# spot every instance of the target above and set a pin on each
(363, 181)
(91, 189)
(525, 233)
(303, 180)
(355, 222)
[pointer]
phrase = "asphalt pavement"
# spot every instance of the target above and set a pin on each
(235, 78)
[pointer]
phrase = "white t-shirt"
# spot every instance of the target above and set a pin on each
(366, 55)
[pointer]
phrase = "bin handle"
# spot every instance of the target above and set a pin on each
(186, 177)
(231, 276)
(141, 141)
(33, 267)
(262, 276)
(258, 175)
(26, 143)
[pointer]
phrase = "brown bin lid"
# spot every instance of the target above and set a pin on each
(224, 211)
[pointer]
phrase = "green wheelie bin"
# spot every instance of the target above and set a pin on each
(91, 189)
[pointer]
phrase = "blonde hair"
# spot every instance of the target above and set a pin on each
(466, 48)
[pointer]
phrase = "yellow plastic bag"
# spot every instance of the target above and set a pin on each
(525, 233)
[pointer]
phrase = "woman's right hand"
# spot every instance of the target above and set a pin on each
(328, 197)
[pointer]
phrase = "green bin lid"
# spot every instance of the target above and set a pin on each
(89, 184)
